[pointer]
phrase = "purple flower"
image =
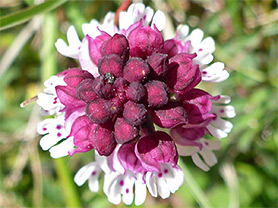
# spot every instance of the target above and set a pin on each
(130, 82)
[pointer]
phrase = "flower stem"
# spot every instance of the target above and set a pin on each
(193, 187)
(66, 182)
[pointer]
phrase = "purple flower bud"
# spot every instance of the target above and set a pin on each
(81, 130)
(173, 47)
(95, 46)
(184, 134)
(182, 75)
(102, 88)
(134, 113)
(85, 92)
(197, 104)
(159, 65)
(145, 41)
(169, 116)
(136, 70)
(116, 105)
(154, 149)
(128, 159)
(135, 91)
(99, 111)
(112, 64)
(124, 132)
(67, 96)
(157, 93)
(74, 76)
(103, 139)
(118, 44)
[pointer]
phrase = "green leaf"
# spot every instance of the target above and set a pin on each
(26, 14)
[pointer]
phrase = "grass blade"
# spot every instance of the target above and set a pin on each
(26, 14)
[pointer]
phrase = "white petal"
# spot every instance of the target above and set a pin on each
(147, 16)
(42, 127)
(53, 81)
(109, 188)
(222, 124)
(151, 184)
(163, 189)
(124, 20)
(208, 156)
(73, 38)
(174, 177)
(211, 144)
(140, 191)
(136, 11)
(127, 191)
(187, 150)
(199, 163)
(84, 173)
(159, 20)
(196, 37)
(85, 59)
(91, 28)
(47, 101)
(215, 73)
(219, 134)
(62, 149)
(224, 99)
(224, 111)
(49, 140)
(102, 162)
(93, 183)
(182, 31)
(208, 45)
(72, 49)
(108, 24)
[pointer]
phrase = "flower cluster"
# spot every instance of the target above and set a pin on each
(132, 82)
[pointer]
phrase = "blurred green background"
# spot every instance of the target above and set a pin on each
(245, 33)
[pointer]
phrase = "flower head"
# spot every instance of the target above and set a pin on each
(130, 81)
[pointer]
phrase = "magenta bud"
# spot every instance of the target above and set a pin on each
(182, 75)
(124, 132)
(158, 63)
(144, 41)
(102, 88)
(134, 113)
(117, 44)
(128, 159)
(136, 70)
(173, 47)
(81, 130)
(74, 76)
(116, 105)
(155, 149)
(67, 96)
(169, 116)
(183, 135)
(99, 111)
(135, 91)
(112, 64)
(102, 138)
(84, 90)
(120, 84)
(95, 46)
(157, 93)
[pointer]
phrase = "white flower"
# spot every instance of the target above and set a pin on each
(219, 127)
(48, 100)
(71, 50)
(165, 182)
(91, 173)
(54, 131)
